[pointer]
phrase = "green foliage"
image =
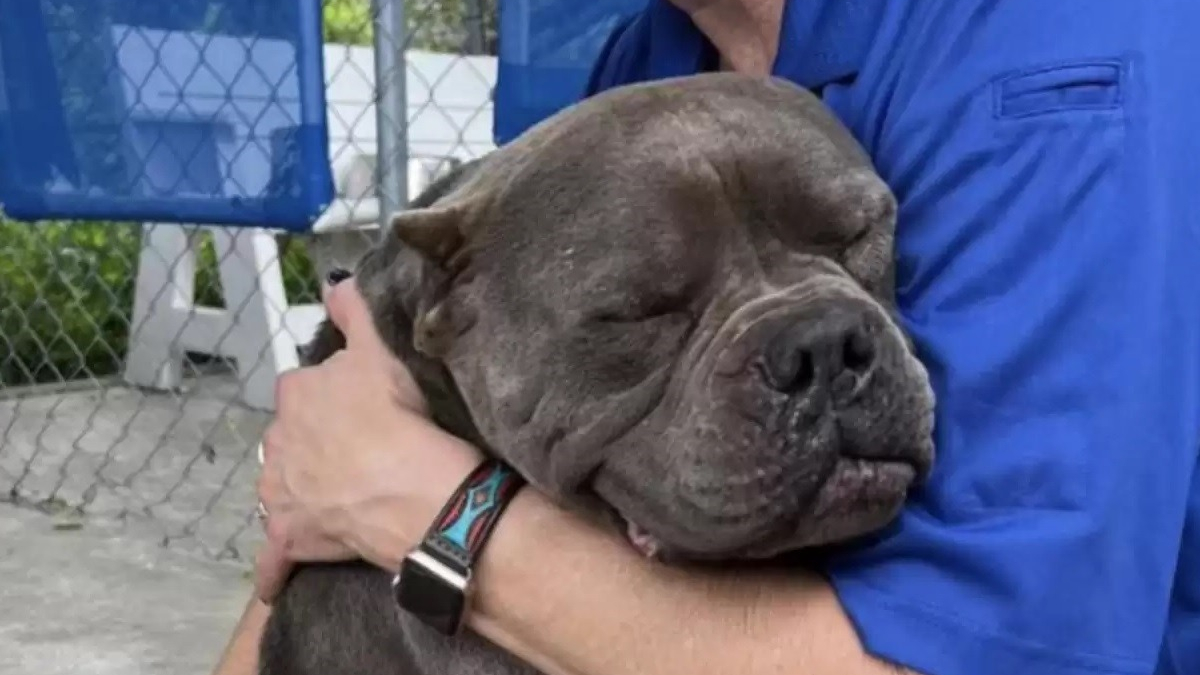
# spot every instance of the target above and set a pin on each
(347, 21)
(66, 294)
(438, 25)
(65, 291)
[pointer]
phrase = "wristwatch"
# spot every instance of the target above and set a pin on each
(434, 580)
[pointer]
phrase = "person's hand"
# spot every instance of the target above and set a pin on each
(353, 467)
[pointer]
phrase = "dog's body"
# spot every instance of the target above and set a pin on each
(669, 304)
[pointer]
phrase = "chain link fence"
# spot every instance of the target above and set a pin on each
(136, 359)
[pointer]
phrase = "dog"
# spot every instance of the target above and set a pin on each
(669, 304)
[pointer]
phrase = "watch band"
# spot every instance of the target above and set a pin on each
(434, 580)
(466, 522)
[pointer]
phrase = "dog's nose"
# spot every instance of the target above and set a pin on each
(834, 350)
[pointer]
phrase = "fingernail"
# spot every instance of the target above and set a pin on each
(337, 275)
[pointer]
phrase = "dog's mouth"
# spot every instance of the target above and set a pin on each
(877, 486)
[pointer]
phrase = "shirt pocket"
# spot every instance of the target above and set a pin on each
(1058, 88)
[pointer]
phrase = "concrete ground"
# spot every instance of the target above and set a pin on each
(96, 598)
(128, 529)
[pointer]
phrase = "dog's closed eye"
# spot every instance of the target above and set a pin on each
(649, 305)
(633, 314)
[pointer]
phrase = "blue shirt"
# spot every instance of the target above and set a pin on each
(1046, 159)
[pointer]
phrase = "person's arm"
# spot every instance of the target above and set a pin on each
(241, 654)
(575, 600)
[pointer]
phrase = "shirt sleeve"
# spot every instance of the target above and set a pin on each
(1181, 646)
(658, 42)
(619, 50)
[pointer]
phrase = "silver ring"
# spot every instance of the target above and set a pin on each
(261, 511)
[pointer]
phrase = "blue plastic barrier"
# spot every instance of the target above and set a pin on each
(186, 111)
(547, 49)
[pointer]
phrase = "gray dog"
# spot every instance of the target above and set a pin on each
(669, 304)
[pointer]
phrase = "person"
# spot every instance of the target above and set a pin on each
(1044, 157)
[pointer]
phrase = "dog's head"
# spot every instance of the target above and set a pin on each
(675, 298)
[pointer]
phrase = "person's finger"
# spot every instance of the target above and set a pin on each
(289, 389)
(272, 442)
(349, 312)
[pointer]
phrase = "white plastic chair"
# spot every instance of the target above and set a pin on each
(258, 329)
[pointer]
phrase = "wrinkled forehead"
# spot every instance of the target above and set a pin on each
(641, 193)
(582, 227)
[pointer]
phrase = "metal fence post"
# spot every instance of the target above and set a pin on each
(391, 109)
(473, 42)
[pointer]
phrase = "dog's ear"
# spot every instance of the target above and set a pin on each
(439, 235)
(438, 232)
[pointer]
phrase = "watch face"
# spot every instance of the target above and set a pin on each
(429, 597)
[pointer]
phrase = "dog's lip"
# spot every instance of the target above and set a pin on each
(638, 537)
(913, 460)
(874, 479)
(641, 540)
(916, 456)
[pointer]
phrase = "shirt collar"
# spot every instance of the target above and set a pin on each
(824, 41)
(821, 41)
